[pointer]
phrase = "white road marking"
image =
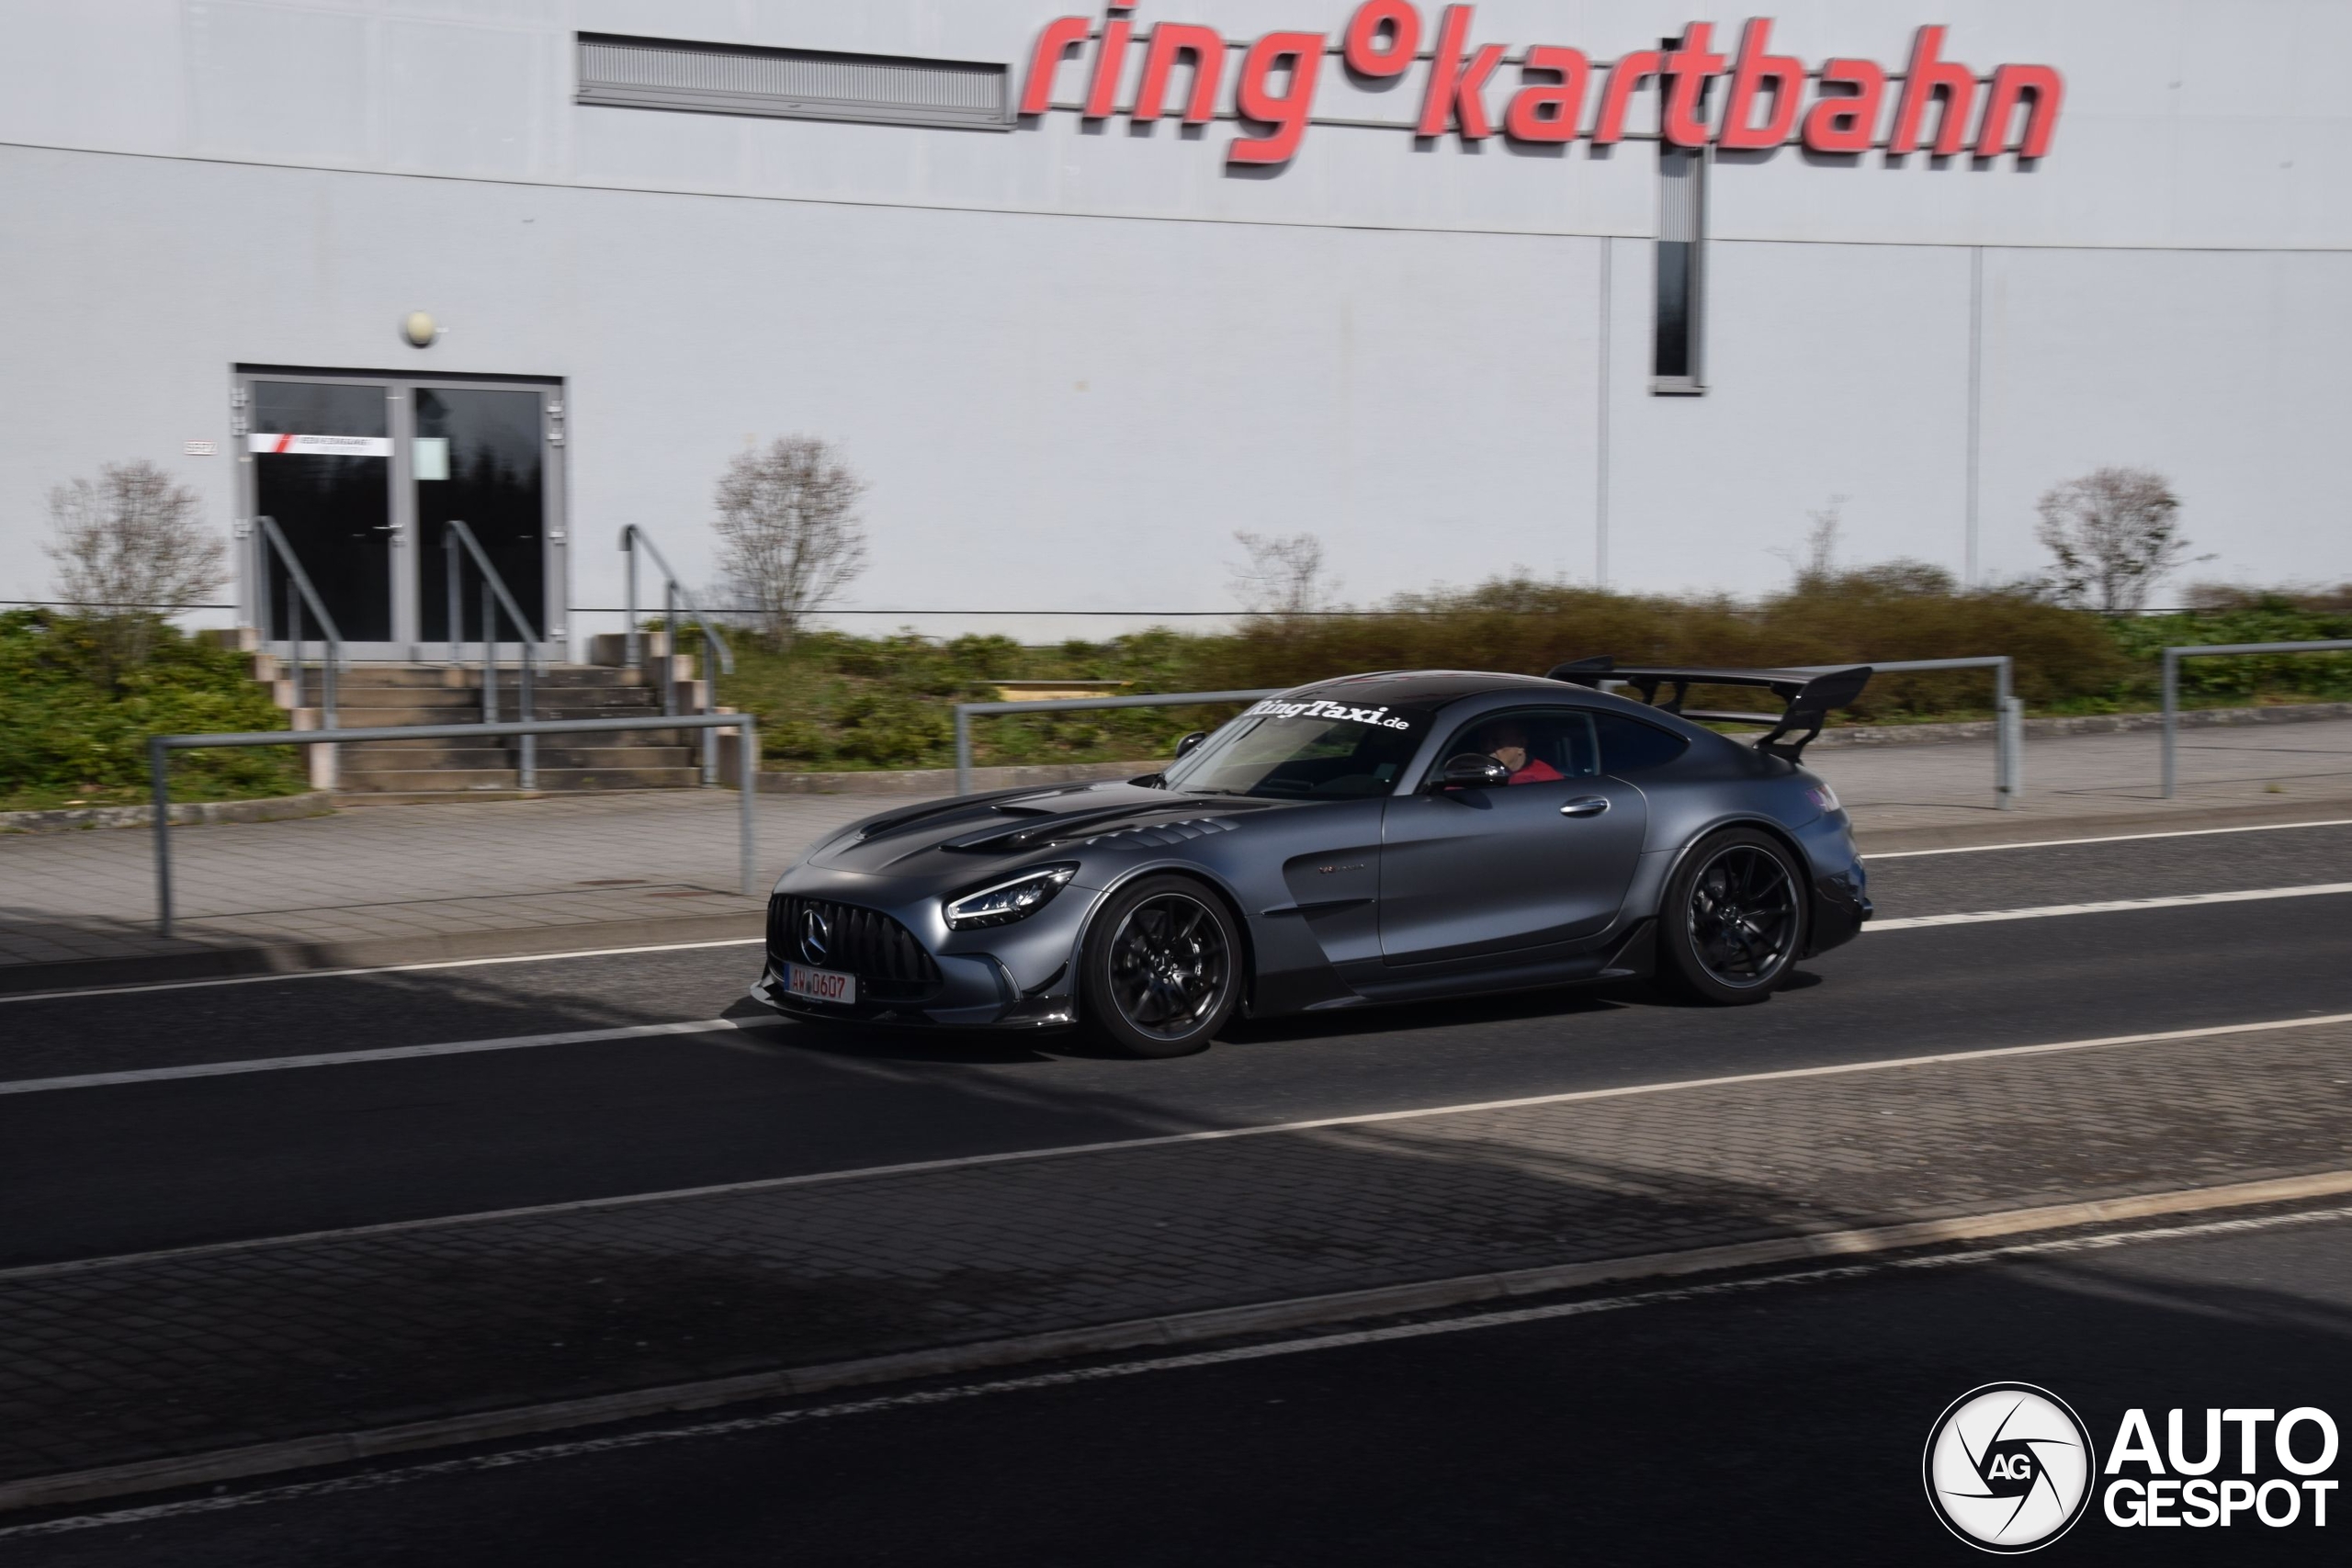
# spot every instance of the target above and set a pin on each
(1164, 1140)
(378, 969)
(2108, 839)
(753, 941)
(373, 1480)
(2109, 906)
(385, 1053)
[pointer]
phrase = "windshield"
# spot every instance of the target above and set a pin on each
(1308, 748)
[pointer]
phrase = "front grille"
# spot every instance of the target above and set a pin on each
(889, 964)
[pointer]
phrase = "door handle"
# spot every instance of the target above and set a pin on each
(1590, 805)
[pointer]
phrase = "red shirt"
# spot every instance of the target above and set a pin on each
(1537, 771)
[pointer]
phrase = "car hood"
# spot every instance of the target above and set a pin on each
(958, 838)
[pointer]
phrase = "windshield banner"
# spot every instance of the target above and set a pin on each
(1320, 708)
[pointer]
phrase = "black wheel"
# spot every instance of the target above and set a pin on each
(1163, 968)
(1733, 920)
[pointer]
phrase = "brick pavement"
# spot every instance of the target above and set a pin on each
(501, 868)
(140, 1360)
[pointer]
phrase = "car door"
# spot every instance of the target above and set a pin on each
(1471, 873)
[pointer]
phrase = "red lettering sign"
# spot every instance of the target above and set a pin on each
(1301, 54)
(1765, 108)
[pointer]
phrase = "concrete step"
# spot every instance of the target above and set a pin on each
(651, 736)
(469, 677)
(420, 780)
(593, 757)
(368, 717)
(352, 695)
(364, 759)
(619, 778)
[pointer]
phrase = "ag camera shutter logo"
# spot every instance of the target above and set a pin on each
(2009, 1466)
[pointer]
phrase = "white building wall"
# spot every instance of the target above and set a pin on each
(1073, 361)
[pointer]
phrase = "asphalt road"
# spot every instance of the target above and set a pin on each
(99, 1171)
(1774, 1420)
(1782, 1419)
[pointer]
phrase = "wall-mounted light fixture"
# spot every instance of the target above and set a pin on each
(420, 329)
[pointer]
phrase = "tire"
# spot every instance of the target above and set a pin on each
(1733, 921)
(1162, 971)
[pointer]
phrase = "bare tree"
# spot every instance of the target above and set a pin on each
(1816, 562)
(131, 552)
(789, 535)
(2116, 533)
(1284, 575)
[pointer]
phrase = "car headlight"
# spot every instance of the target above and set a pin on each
(1009, 901)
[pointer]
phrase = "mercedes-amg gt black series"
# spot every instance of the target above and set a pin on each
(1377, 838)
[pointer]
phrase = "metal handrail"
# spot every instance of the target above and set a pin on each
(2173, 656)
(673, 594)
(274, 538)
(158, 747)
(2008, 732)
(2008, 715)
(964, 712)
(493, 596)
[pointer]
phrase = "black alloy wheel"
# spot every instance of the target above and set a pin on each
(1734, 919)
(1163, 968)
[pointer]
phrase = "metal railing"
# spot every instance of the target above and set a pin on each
(494, 596)
(964, 712)
(674, 597)
(299, 594)
(2009, 734)
(2173, 656)
(2008, 715)
(161, 746)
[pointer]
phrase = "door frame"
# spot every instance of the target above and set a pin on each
(400, 387)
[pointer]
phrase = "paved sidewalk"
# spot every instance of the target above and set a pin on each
(390, 883)
(131, 1361)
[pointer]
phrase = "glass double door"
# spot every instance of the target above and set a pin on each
(362, 476)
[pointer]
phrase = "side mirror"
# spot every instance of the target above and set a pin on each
(1471, 769)
(1190, 744)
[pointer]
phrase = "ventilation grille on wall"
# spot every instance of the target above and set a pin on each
(802, 83)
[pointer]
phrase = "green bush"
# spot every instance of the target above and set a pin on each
(839, 701)
(69, 733)
(2212, 682)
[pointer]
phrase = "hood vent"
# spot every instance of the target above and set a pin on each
(1165, 833)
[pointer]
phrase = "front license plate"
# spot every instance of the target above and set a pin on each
(820, 985)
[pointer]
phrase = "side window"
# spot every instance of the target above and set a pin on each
(1629, 745)
(1538, 745)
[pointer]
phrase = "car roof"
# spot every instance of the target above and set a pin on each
(1425, 688)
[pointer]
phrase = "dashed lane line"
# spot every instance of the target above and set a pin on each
(1114, 1145)
(2111, 907)
(94, 992)
(2108, 839)
(380, 1054)
(708, 1025)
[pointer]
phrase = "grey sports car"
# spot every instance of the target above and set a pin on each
(1377, 838)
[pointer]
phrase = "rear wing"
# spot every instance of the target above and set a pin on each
(1809, 694)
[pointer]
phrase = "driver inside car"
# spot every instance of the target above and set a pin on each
(1506, 742)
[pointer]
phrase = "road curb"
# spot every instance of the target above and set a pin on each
(189, 814)
(228, 961)
(1184, 1329)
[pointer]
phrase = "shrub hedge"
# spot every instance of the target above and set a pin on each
(839, 701)
(70, 734)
